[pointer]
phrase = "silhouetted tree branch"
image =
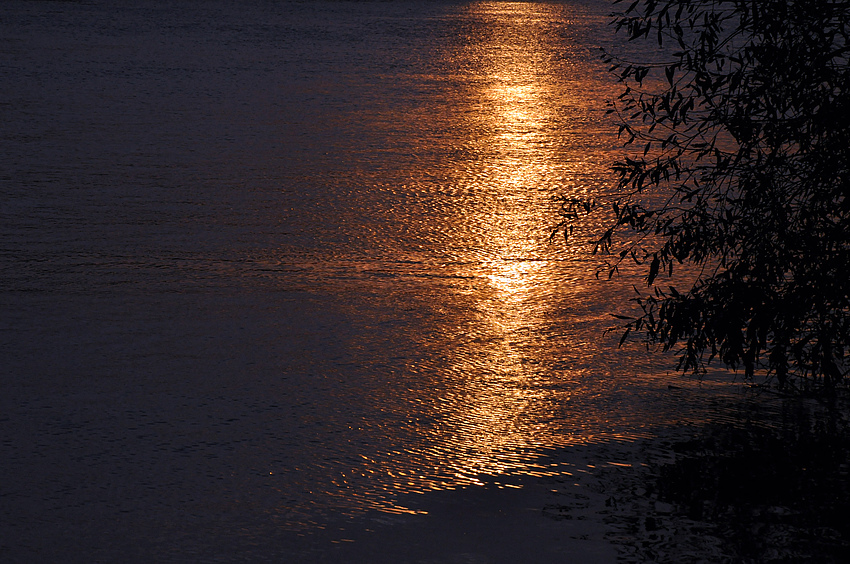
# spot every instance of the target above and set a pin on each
(741, 174)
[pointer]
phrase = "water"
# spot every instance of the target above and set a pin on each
(269, 265)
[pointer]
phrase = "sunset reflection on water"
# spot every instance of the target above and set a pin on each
(270, 263)
(530, 125)
(489, 426)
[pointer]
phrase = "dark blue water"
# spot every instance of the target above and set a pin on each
(267, 267)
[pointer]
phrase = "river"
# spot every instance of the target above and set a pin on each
(270, 267)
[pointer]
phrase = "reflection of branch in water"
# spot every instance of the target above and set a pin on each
(769, 487)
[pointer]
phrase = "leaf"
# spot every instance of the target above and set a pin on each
(625, 336)
(653, 270)
(623, 317)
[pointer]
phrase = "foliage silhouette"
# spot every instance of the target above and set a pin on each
(741, 172)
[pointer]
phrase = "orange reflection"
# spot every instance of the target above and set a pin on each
(484, 388)
(489, 421)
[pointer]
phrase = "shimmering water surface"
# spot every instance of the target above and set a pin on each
(267, 263)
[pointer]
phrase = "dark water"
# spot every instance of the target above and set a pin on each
(268, 266)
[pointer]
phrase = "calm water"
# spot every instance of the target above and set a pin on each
(267, 264)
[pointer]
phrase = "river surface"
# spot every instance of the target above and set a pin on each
(267, 266)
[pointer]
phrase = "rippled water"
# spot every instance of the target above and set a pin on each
(288, 260)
